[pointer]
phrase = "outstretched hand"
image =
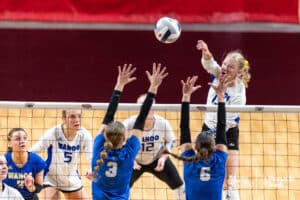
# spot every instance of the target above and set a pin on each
(188, 86)
(125, 75)
(224, 81)
(201, 45)
(157, 76)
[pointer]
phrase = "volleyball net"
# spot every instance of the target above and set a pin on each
(269, 166)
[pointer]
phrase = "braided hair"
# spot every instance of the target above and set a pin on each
(114, 134)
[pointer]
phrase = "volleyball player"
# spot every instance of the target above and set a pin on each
(113, 153)
(7, 192)
(237, 66)
(204, 162)
(64, 144)
(157, 135)
(25, 169)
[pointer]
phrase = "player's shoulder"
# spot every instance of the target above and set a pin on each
(99, 138)
(160, 119)
(11, 193)
(222, 154)
(51, 131)
(84, 131)
(36, 159)
(156, 116)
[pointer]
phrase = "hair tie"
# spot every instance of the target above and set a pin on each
(246, 63)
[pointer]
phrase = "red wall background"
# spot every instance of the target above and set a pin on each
(148, 11)
(80, 65)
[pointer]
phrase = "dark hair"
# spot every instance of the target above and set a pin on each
(64, 114)
(204, 145)
(12, 131)
(114, 133)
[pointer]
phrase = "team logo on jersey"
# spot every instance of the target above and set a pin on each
(68, 147)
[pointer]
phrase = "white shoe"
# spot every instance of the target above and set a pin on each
(232, 195)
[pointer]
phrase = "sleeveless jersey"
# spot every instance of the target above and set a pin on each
(153, 141)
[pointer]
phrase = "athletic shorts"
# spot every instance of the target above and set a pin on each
(64, 187)
(232, 135)
(169, 175)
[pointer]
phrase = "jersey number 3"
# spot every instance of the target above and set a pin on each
(112, 169)
(204, 174)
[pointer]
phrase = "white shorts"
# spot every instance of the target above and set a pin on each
(64, 184)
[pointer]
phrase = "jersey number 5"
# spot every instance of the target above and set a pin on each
(68, 156)
(204, 174)
(112, 169)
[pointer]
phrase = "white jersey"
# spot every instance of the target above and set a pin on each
(10, 193)
(154, 140)
(235, 95)
(63, 157)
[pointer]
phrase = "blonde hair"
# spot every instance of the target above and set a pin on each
(114, 134)
(244, 66)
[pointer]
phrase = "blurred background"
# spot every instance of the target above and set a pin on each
(64, 50)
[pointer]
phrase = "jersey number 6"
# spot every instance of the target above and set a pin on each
(204, 174)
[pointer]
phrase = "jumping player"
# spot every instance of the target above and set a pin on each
(204, 164)
(237, 66)
(113, 153)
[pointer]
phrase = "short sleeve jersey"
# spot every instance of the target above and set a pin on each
(63, 155)
(153, 141)
(16, 175)
(204, 179)
(113, 178)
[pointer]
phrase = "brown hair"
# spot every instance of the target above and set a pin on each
(10, 133)
(205, 147)
(114, 134)
(244, 65)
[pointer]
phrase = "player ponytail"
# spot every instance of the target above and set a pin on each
(114, 137)
(204, 146)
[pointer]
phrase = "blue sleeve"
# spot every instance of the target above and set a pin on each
(38, 163)
(97, 148)
(223, 155)
(133, 144)
(188, 153)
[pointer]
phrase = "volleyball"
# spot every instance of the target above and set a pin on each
(167, 30)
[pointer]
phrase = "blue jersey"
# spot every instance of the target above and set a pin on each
(113, 178)
(15, 177)
(204, 180)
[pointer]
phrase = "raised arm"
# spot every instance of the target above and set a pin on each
(188, 88)
(220, 89)
(202, 46)
(124, 77)
(155, 79)
(207, 61)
